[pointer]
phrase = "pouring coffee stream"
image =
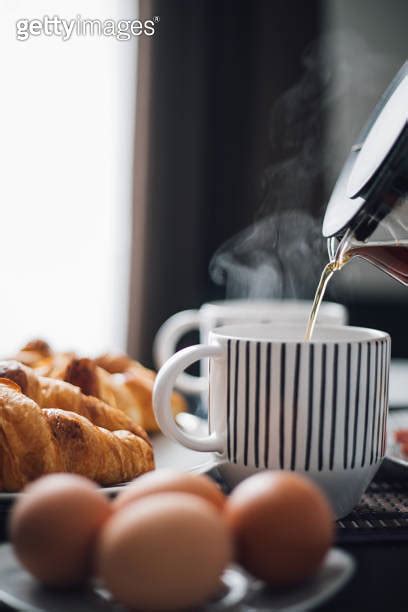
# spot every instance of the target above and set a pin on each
(367, 214)
(327, 273)
(341, 257)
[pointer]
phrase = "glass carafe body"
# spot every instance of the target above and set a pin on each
(386, 246)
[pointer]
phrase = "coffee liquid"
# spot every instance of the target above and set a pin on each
(327, 273)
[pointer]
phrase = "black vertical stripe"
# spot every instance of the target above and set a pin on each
(380, 401)
(295, 408)
(310, 407)
(384, 434)
(384, 400)
(282, 406)
(367, 404)
(381, 442)
(334, 406)
(257, 391)
(347, 408)
(322, 403)
(236, 398)
(246, 429)
(375, 404)
(356, 407)
(387, 395)
(267, 404)
(228, 398)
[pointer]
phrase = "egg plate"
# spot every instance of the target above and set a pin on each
(240, 592)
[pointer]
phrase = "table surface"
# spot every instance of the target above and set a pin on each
(381, 578)
(380, 582)
(399, 383)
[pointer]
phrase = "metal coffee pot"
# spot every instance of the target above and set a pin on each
(367, 214)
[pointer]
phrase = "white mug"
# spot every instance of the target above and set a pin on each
(226, 312)
(278, 402)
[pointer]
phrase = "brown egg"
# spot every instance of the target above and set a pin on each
(166, 481)
(164, 552)
(283, 526)
(53, 528)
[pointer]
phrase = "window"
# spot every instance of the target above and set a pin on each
(67, 128)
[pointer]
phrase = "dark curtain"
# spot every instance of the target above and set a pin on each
(208, 81)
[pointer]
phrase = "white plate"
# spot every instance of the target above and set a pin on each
(167, 454)
(397, 419)
(241, 593)
(171, 454)
(334, 573)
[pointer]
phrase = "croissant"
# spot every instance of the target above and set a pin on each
(52, 393)
(39, 355)
(34, 442)
(115, 379)
(33, 352)
(116, 363)
(91, 379)
(130, 391)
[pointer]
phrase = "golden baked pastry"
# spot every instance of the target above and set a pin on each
(137, 383)
(52, 393)
(130, 391)
(33, 352)
(35, 441)
(39, 355)
(116, 379)
(116, 363)
(92, 380)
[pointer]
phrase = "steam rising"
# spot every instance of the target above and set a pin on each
(279, 256)
(282, 254)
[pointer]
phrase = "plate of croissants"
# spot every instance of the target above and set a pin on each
(60, 412)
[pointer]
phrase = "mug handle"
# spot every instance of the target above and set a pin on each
(163, 388)
(165, 343)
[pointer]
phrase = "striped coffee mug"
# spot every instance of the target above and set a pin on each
(278, 402)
